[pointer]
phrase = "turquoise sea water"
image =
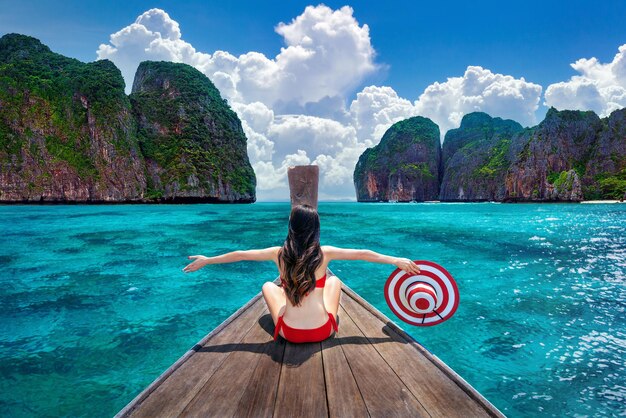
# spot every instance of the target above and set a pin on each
(94, 305)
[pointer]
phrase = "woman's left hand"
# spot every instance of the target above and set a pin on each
(407, 265)
(199, 262)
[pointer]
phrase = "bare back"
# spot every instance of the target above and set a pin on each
(311, 313)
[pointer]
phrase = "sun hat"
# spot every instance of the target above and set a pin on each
(423, 299)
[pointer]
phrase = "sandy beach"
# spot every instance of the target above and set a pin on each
(602, 201)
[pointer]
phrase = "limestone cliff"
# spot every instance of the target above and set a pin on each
(569, 156)
(69, 133)
(475, 158)
(404, 166)
(66, 128)
(192, 141)
(549, 160)
(604, 175)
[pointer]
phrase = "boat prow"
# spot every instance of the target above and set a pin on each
(371, 367)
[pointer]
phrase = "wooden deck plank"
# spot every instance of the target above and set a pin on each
(260, 394)
(342, 391)
(370, 367)
(220, 396)
(435, 391)
(423, 353)
(301, 391)
(171, 396)
(385, 395)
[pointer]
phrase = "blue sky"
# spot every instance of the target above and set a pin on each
(421, 42)
(330, 96)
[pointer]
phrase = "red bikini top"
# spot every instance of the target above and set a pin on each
(318, 283)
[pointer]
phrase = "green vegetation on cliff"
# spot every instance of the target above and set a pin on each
(404, 165)
(562, 181)
(497, 159)
(475, 129)
(476, 158)
(68, 132)
(414, 170)
(613, 186)
(569, 156)
(44, 91)
(189, 130)
(398, 138)
(569, 116)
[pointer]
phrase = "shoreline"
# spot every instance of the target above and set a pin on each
(243, 202)
(602, 201)
(502, 201)
(177, 201)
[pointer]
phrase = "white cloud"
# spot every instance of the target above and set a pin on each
(312, 134)
(259, 147)
(153, 36)
(333, 146)
(256, 114)
(156, 20)
(599, 87)
(327, 54)
(272, 181)
(293, 105)
(479, 90)
(375, 109)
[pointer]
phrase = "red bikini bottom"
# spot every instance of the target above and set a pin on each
(300, 335)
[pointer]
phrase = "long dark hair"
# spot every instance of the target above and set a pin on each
(301, 253)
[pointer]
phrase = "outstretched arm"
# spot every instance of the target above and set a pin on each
(247, 255)
(335, 253)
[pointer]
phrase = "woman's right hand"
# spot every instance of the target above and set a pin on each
(407, 265)
(199, 262)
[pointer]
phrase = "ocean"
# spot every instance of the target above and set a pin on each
(95, 306)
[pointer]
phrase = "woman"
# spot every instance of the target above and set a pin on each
(311, 313)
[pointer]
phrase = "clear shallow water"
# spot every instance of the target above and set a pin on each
(94, 305)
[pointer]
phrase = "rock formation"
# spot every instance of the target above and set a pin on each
(66, 128)
(192, 142)
(569, 156)
(475, 158)
(549, 160)
(68, 133)
(404, 166)
(604, 175)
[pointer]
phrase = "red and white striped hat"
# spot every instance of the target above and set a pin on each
(424, 299)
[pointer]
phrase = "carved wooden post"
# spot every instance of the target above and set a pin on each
(303, 183)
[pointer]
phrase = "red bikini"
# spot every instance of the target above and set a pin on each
(301, 335)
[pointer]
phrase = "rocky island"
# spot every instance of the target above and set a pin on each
(570, 156)
(404, 166)
(69, 133)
